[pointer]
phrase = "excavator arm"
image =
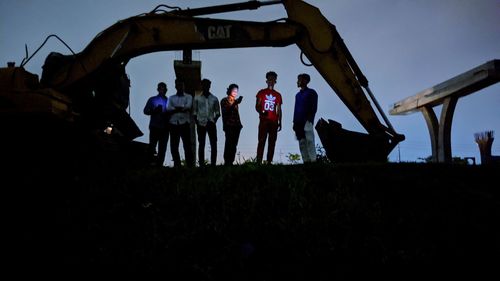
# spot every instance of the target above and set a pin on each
(150, 33)
(327, 52)
(178, 29)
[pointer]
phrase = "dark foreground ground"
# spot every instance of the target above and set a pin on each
(317, 222)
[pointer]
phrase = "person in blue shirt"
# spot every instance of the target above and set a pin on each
(156, 108)
(306, 105)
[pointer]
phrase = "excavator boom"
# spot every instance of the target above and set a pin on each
(165, 32)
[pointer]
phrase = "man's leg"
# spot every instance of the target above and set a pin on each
(186, 143)
(273, 136)
(262, 136)
(192, 133)
(202, 135)
(162, 146)
(303, 150)
(227, 144)
(174, 144)
(310, 145)
(212, 136)
(234, 145)
(154, 137)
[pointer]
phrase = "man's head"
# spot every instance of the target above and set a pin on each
(303, 79)
(271, 78)
(205, 85)
(179, 85)
(232, 90)
(162, 88)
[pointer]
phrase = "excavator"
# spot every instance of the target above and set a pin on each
(80, 101)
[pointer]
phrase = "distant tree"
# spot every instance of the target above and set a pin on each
(459, 160)
(485, 141)
(321, 155)
(427, 159)
(454, 160)
(293, 158)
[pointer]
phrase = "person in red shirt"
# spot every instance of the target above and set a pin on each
(268, 105)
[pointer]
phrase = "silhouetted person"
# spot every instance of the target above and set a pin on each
(268, 105)
(306, 105)
(206, 111)
(179, 106)
(231, 122)
(156, 108)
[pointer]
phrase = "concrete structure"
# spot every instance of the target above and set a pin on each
(447, 94)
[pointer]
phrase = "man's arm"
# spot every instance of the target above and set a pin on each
(189, 104)
(224, 106)
(258, 105)
(278, 111)
(313, 105)
(148, 110)
(216, 109)
(195, 106)
(171, 105)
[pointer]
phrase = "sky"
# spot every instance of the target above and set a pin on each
(402, 47)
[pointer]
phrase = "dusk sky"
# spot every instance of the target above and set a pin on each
(402, 46)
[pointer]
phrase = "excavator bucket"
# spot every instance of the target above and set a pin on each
(348, 146)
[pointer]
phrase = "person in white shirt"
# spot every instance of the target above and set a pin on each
(206, 111)
(179, 106)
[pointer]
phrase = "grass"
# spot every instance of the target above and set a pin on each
(252, 222)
